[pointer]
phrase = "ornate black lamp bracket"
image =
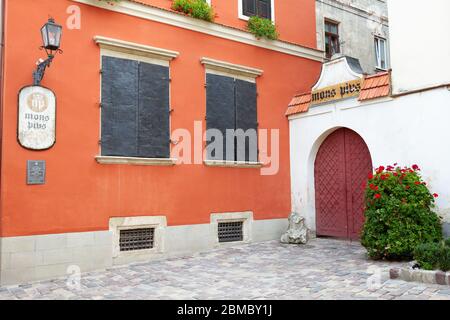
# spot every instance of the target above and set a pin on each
(39, 73)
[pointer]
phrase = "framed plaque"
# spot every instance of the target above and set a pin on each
(37, 118)
(36, 172)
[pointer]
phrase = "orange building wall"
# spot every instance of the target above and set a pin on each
(293, 18)
(81, 195)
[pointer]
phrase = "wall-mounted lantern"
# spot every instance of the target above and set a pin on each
(51, 39)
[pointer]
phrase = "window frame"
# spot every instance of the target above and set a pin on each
(378, 58)
(246, 18)
(141, 52)
(330, 35)
(240, 72)
(144, 59)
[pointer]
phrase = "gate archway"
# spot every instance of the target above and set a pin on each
(342, 165)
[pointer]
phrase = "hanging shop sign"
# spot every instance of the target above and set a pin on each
(340, 91)
(37, 118)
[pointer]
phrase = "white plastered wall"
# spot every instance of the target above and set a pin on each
(411, 129)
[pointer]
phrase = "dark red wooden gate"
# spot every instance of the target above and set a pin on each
(341, 168)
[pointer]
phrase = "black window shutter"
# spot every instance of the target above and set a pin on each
(119, 107)
(220, 109)
(249, 7)
(246, 118)
(154, 111)
(264, 8)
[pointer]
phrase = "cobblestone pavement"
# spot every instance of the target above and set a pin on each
(323, 269)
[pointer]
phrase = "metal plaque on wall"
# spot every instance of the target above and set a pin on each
(36, 172)
(37, 118)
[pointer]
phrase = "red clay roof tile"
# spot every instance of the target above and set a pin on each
(376, 86)
(299, 104)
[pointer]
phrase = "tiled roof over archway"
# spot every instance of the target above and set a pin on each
(374, 86)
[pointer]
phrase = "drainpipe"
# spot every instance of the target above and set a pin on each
(2, 90)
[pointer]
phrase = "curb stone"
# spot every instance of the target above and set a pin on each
(416, 275)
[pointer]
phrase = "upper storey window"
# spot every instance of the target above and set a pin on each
(380, 53)
(331, 38)
(261, 8)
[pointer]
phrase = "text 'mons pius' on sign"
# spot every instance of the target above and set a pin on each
(37, 118)
(337, 92)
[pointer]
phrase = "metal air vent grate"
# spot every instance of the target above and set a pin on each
(136, 239)
(231, 231)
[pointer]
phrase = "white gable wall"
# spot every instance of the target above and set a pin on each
(412, 129)
(420, 46)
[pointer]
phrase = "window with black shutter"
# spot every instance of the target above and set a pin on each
(135, 109)
(261, 8)
(231, 104)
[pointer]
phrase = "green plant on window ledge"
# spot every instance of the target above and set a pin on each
(262, 28)
(198, 9)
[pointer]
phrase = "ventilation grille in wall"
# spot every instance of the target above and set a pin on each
(136, 239)
(231, 231)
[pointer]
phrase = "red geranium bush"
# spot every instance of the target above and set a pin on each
(399, 213)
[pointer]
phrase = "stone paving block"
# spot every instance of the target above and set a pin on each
(440, 278)
(428, 276)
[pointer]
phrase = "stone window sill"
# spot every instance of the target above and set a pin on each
(135, 161)
(232, 164)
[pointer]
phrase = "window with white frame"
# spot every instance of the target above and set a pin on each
(380, 53)
(261, 8)
(135, 99)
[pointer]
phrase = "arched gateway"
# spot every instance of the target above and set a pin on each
(342, 165)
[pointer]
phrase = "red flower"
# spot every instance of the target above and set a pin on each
(383, 177)
(395, 174)
(380, 169)
(435, 195)
(373, 187)
(415, 167)
(407, 187)
(417, 183)
(377, 196)
(370, 176)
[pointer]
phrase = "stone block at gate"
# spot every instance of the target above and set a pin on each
(297, 232)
